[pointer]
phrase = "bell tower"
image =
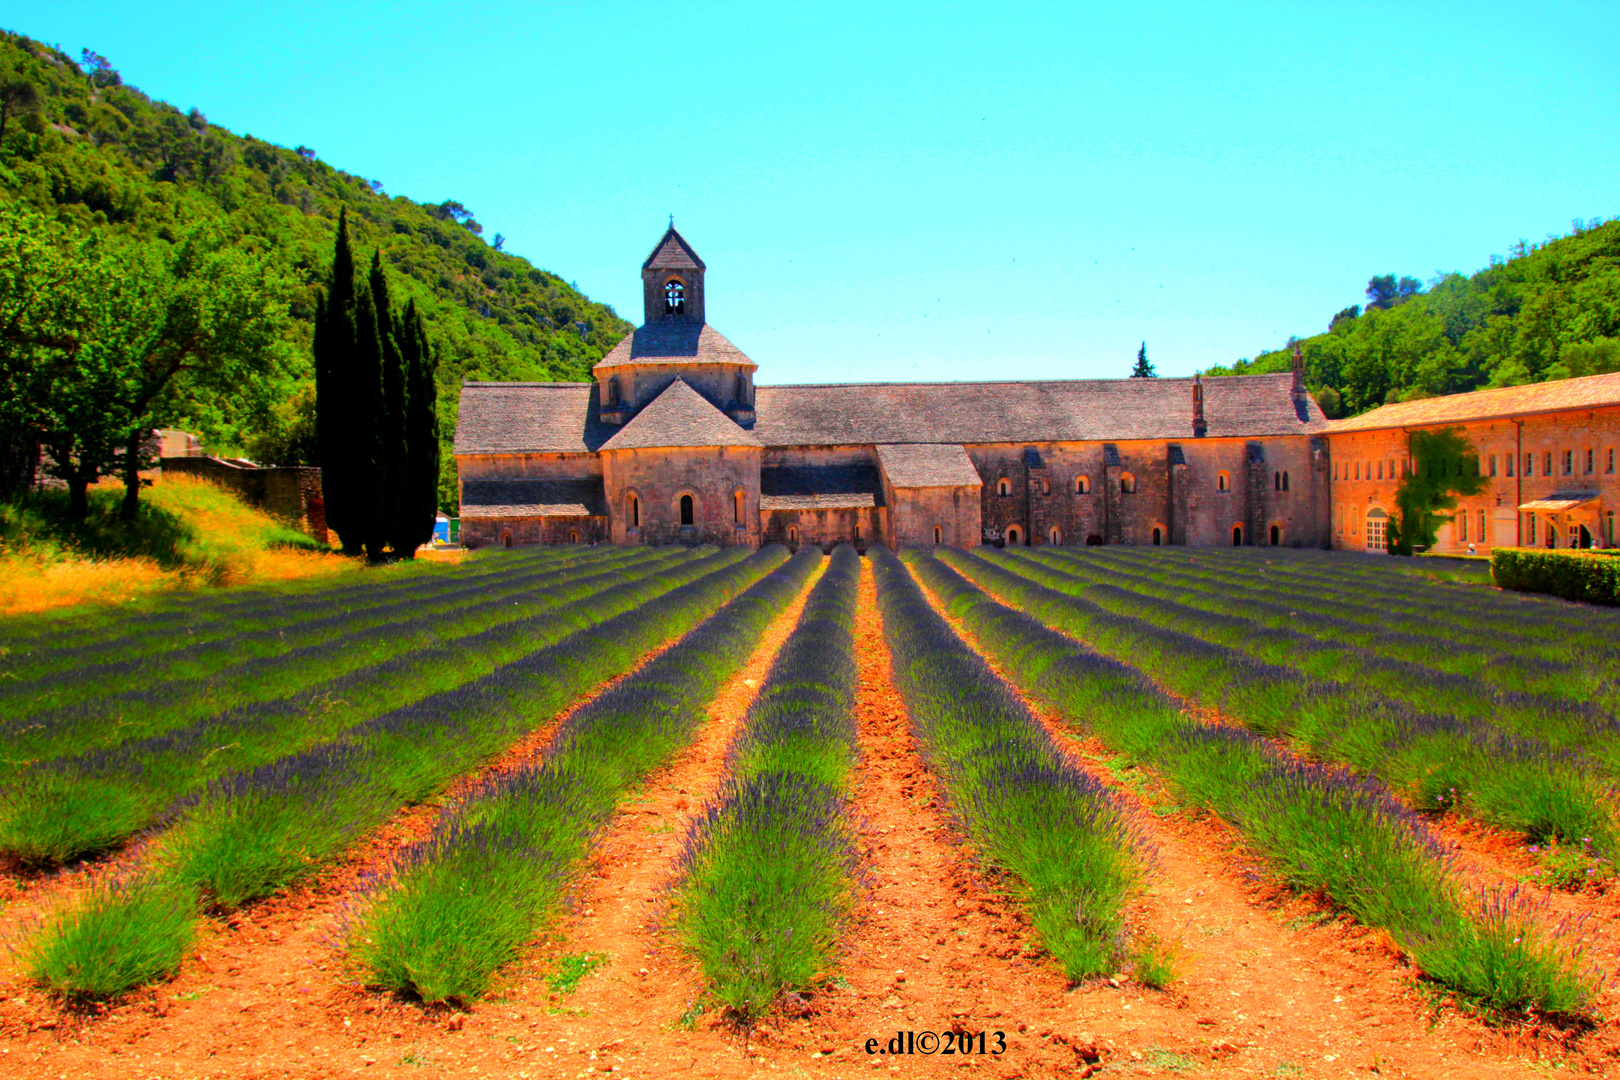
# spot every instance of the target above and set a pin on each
(672, 282)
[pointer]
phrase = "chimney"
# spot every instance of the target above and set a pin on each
(1199, 426)
(1298, 390)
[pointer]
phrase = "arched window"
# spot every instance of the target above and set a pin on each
(1276, 535)
(737, 507)
(674, 297)
(1158, 537)
(1127, 483)
(1014, 537)
(1276, 481)
(936, 534)
(793, 534)
(613, 391)
(1003, 486)
(1046, 486)
(688, 510)
(1082, 485)
(1223, 481)
(1285, 479)
(857, 534)
(1054, 536)
(1237, 536)
(741, 393)
(635, 512)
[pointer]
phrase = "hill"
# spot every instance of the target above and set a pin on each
(1550, 311)
(83, 146)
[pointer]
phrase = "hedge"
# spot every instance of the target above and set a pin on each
(1558, 573)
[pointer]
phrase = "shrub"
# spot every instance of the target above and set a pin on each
(1584, 577)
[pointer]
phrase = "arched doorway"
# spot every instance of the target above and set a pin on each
(1158, 537)
(1237, 536)
(936, 534)
(1014, 537)
(506, 538)
(688, 510)
(1055, 536)
(793, 535)
(1276, 535)
(573, 536)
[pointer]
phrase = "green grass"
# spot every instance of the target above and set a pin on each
(571, 969)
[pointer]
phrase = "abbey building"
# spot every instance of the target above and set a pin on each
(673, 442)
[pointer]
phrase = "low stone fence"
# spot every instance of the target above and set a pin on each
(291, 492)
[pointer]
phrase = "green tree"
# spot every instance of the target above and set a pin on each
(420, 500)
(1143, 368)
(1445, 466)
(17, 97)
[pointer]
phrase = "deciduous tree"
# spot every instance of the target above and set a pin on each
(1445, 466)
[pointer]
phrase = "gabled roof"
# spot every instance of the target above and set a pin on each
(675, 342)
(928, 465)
(533, 498)
(1081, 410)
(527, 418)
(672, 252)
(680, 416)
(1584, 393)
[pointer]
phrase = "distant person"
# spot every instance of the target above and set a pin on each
(1471, 550)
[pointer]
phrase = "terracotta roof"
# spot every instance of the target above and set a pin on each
(674, 342)
(1585, 393)
(680, 416)
(672, 252)
(1068, 411)
(1560, 501)
(819, 487)
(516, 418)
(928, 465)
(532, 498)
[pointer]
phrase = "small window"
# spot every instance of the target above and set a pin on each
(1611, 460)
(1046, 486)
(1529, 465)
(1589, 461)
(1223, 480)
(1285, 479)
(1158, 537)
(936, 534)
(1569, 463)
(1480, 534)
(1546, 463)
(688, 510)
(1082, 484)
(1054, 535)
(1380, 470)
(573, 536)
(1003, 486)
(1276, 481)
(1127, 483)
(1510, 460)
(793, 534)
(1462, 527)
(674, 297)
(635, 512)
(1237, 536)
(1335, 471)
(1608, 526)
(1493, 464)
(1358, 470)
(737, 507)
(857, 534)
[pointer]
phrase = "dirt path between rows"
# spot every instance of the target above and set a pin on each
(1266, 983)
(266, 992)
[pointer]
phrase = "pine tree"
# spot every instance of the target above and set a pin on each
(334, 367)
(1143, 369)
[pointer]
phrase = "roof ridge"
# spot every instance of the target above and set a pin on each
(1146, 384)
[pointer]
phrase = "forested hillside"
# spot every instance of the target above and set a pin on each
(1550, 311)
(86, 148)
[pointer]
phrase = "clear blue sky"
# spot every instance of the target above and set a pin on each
(937, 191)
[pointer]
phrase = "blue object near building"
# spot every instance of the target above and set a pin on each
(441, 530)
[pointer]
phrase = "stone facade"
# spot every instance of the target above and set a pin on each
(1547, 452)
(292, 493)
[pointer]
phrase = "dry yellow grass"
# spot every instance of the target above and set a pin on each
(216, 540)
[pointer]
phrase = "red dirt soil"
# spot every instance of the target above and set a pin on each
(1266, 985)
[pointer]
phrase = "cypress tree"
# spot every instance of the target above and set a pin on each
(393, 451)
(367, 497)
(421, 489)
(334, 392)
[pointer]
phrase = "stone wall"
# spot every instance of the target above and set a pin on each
(915, 514)
(520, 531)
(658, 478)
(292, 493)
(639, 384)
(826, 528)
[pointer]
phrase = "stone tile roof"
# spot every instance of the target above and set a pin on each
(1059, 411)
(516, 418)
(819, 487)
(674, 342)
(1590, 392)
(533, 498)
(928, 465)
(680, 416)
(672, 252)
